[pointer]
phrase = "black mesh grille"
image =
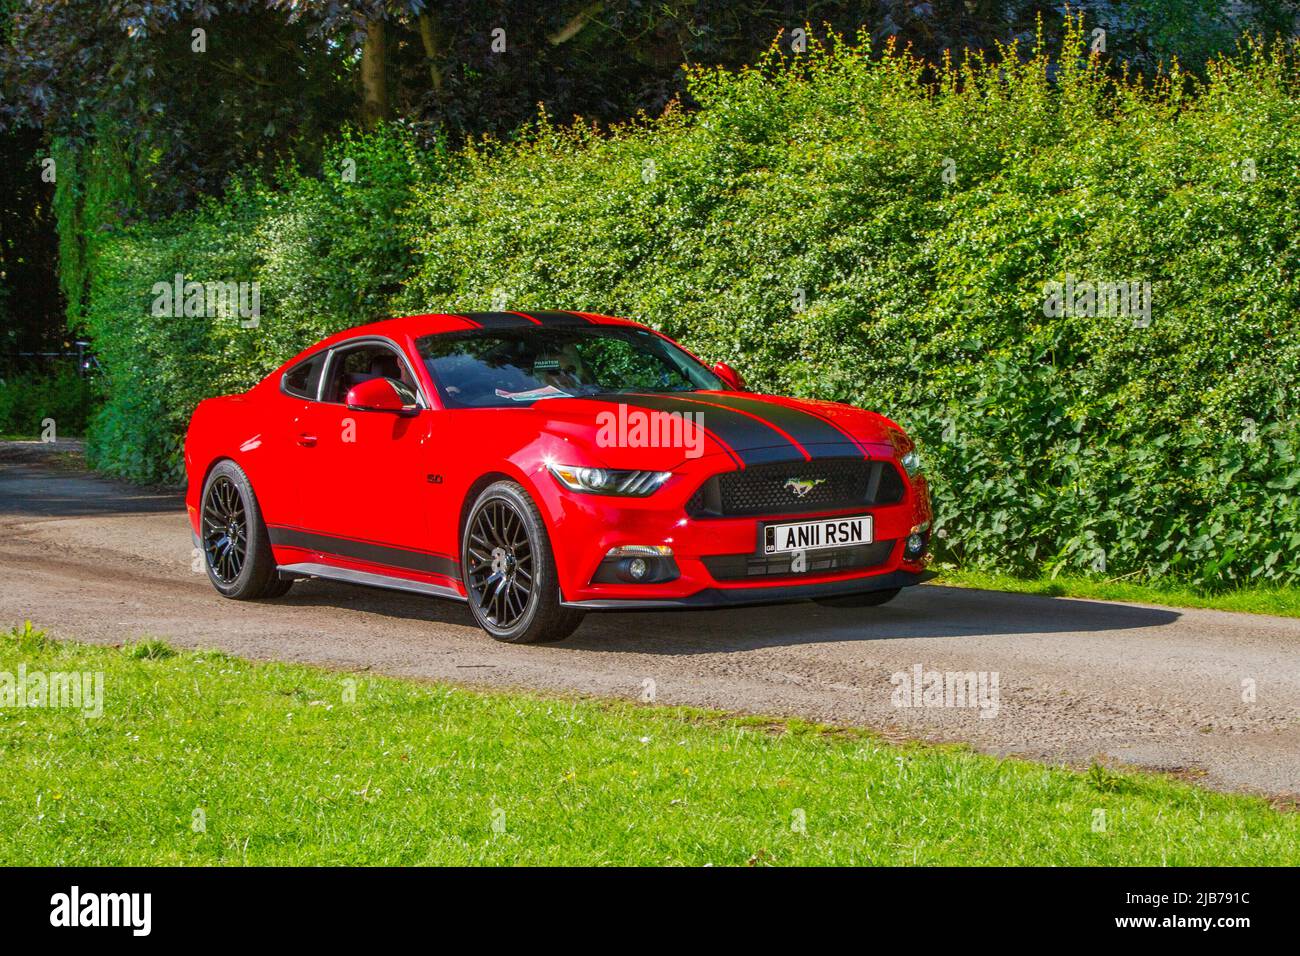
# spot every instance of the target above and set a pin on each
(774, 489)
(733, 567)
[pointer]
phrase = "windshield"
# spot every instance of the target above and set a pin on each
(495, 368)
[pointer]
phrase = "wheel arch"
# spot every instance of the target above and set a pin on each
(216, 460)
(471, 495)
(504, 471)
(195, 487)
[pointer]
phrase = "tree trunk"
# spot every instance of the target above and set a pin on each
(576, 23)
(435, 49)
(374, 76)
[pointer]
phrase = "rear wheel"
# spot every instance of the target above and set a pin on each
(509, 569)
(236, 546)
(866, 599)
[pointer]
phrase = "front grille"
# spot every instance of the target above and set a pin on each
(734, 567)
(772, 489)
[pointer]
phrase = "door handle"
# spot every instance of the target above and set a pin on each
(307, 441)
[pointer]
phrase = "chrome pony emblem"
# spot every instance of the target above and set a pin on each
(801, 486)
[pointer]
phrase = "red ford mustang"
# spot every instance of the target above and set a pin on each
(546, 464)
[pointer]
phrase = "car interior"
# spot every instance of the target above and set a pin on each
(361, 364)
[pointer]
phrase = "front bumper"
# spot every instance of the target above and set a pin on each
(585, 527)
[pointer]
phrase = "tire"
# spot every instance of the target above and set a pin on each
(508, 569)
(865, 599)
(239, 564)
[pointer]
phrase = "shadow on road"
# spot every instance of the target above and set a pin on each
(27, 488)
(918, 613)
(921, 612)
(395, 604)
(38, 491)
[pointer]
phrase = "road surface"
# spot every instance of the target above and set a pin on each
(1210, 695)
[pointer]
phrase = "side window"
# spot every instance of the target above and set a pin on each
(360, 363)
(302, 379)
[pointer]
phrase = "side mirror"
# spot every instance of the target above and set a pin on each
(730, 376)
(377, 395)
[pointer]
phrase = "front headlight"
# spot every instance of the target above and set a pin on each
(911, 463)
(606, 481)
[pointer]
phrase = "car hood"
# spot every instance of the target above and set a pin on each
(660, 431)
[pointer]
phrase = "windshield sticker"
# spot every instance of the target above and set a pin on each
(546, 391)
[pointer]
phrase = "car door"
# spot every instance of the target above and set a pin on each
(276, 472)
(364, 476)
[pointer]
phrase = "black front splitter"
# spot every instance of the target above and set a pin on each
(750, 597)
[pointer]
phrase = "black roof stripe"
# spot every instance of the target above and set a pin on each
(523, 319)
(498, 320)
(561, 317)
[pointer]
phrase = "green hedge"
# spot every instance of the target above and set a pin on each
(28, 398)
(1071, 442)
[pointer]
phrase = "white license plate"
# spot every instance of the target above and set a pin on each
(812, 535)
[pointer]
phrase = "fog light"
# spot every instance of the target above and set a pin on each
(637, 564)
(917, 539)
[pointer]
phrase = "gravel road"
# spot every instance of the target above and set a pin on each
(1211, 695)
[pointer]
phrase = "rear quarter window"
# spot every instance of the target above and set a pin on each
(303, 379)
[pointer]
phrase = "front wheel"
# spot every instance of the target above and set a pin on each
(509, 570)
(866, 599)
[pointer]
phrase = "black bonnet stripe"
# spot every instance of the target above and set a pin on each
(808, 428)
(751, 441)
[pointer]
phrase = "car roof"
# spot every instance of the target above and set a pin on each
(433, 323)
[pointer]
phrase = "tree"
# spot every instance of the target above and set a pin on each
(186, 92)
(360, 25)
(30, 304)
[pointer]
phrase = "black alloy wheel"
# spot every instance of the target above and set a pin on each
(501, 569)
(236, 546)
(225, 530)
(509, 571)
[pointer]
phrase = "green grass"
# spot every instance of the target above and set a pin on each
(281, 769)
(1282, 601)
